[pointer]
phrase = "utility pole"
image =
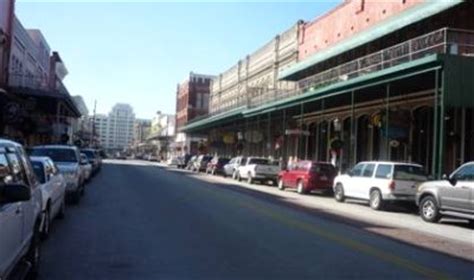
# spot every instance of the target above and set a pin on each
(93, 123)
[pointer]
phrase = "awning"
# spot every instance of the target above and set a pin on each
(392, 24)
(56, 95)
(210, 121)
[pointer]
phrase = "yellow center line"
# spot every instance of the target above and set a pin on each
(341, 240)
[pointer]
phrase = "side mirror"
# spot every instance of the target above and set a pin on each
(452, 180)
(14, 193)
(445, 177)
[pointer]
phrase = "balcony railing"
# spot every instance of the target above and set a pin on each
(446, 40)
(35, 83)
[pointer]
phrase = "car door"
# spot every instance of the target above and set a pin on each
(11, 220)
(366, 181)
(459, 197)
(55, 187)
(353, 183)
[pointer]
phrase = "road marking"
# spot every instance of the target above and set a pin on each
(341, 240)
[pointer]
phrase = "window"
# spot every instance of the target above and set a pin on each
(39, 171)
(383, 171)
(357, 170)
(466, 173)
(5, 171)
(409, 173)
(368, 170)
(17, 170)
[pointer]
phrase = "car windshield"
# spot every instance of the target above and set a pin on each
(409, 173)
(57, 155)
(260, 161)
(38, 168)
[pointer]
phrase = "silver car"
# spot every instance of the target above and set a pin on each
(68, 160)
(453, 196)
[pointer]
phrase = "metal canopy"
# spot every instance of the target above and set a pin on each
(415, 67)
(410, 16)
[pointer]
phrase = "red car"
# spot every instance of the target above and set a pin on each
(307, 176)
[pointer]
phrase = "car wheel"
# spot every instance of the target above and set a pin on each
(46, 223)
(429, 210)
(376, 201)
(33, 255)
(339, 193)
(300, 188)
(238, 177)
(234, 175)
(281, 186)
(62, 210)
(249, 179)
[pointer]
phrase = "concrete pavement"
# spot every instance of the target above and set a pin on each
(140, 221)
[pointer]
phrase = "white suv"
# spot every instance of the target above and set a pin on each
(379, 182)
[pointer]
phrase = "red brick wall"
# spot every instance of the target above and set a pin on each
(347, 19)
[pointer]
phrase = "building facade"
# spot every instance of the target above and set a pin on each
(36, 106)
(387, 80)
(142, 130)
(192, 101)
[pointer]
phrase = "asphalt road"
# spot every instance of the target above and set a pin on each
(144, 222)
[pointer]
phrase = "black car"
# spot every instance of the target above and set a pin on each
(201, 162)
(216, 165)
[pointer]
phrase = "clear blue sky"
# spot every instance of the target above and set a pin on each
(136, 52)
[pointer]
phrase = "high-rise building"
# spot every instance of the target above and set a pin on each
(116, 131)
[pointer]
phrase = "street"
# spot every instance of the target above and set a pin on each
(142, 221)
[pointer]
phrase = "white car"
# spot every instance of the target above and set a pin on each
(379, 182)
(53, 189)
(86, 167)
(230, 169)
(258, 169)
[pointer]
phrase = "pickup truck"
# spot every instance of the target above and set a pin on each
(258, 169)
(20, 213)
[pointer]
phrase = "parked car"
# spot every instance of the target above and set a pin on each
(307, 176)
(230, 169)
(86, 167)
(190, 164)
(186, 159)
(453, 196)
(68, 160)
(53, 189)
(152, 157)
(175, 161)
(201, 162)
(216, 165)
(380, 182)
(94, 159)
(20, 213)
(258, 169)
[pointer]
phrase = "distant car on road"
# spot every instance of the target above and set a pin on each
(94, 159)
(86, 167)
(20, 213)
(258, 169)
(68, 160)
(53, 189)
(307, 176)
(216, 165)
(380, 182)
(453, 196)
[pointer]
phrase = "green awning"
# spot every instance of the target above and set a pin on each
(213, 120)
(392, 24)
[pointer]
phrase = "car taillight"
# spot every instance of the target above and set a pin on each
(391, 185)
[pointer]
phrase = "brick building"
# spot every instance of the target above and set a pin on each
(192, 101)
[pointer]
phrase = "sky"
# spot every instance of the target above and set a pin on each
(136, 52)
